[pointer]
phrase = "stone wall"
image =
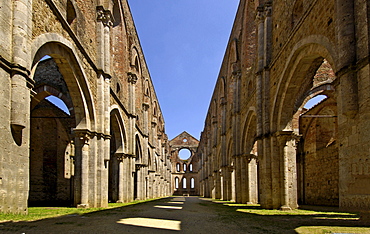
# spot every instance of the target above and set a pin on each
(281, 54)
(94, 70)
(185, 179)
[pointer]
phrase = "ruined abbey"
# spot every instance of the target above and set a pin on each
(261, 143)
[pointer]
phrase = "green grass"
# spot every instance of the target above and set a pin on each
(38, 213)
(310, 221)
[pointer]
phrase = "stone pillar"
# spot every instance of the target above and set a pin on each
(120, 158)
(265, 196)
(233, 184)
(239, 179)
(132, 79)
(225, 183)
(20, 94)
(82, 168)
(217, 178)
(243, 180)
(104, 19)
(346, 73)
(288, 151)
(252, 180)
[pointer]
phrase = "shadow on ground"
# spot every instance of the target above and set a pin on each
(193, 215)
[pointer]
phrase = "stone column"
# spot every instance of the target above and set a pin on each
(120, 158)
(82, 168)
(252, 180)
(233, 184)
(132, 79)
(20, 93)
(265, 180)
(346, 73)
(238, 179)
(104, 19)
(288, 150)
(244, 183)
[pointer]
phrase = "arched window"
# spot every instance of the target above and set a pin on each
(192, 183)
(191, 167)
(176, 182)
(178, 167)
(71, 12)
(184, 183)
(184, 166)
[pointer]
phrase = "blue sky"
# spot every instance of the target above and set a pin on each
(184, 42)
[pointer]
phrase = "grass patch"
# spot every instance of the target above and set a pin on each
(38, 213)
(312, 220)
(329, 229)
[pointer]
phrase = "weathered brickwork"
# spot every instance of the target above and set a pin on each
(111, 146)
(280, 55)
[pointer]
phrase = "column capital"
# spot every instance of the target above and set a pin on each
(260, 16)
(285, 136)
(268, 9)
(132, 78)
(83, 135)
(104, 16)
(146, 106)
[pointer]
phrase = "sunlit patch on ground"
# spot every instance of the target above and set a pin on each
(169, 207)
(177, 199)
(174, 202)
(152, 223)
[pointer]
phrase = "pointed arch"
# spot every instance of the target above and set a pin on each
(71, 11)
(118, 131)
(302, 64)
(117, 13)
(138, 151)
(64, 54)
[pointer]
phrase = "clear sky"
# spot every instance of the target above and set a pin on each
(184, 42)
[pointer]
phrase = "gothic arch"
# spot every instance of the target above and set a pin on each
(71, 11)
(117, 150)
(118, 130)
(135, 61)
(70, 67)
(249, 131)
(117, 13)
(300, 67)
(138, 150)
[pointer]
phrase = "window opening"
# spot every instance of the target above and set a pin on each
(58, 103)
(177, 182)
(192, 183)
(184, 183)
(184, 154)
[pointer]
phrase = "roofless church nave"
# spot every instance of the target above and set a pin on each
(261, 143)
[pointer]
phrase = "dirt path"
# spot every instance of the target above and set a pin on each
(169, 215)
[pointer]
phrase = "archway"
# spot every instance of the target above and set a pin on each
(249, 168)
(51, 141)
(117, 148)
(308, 73)
(137, 173)
(55, 159)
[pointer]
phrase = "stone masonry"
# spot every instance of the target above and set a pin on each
(185, 179)
(260, 143)
(111, 146)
